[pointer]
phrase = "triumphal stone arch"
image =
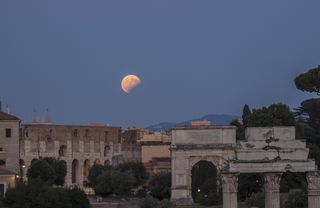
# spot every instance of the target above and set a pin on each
(270, 151)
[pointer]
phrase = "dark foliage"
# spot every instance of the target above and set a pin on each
(309, 81)
(137, 169)
(113, 181)
(103, 185)
(150, 202)
(256, 200)
(297, 200)
(311, 110)
(246, 112)
(160, 185)
(48, 170)
(274, 115)
(122, 182)
(60, 168)
(211, 198)
(78, 198)
(119, 180)
(38, 194)
(94, 172)
(248, 184)
(41, 169)
(290, 180)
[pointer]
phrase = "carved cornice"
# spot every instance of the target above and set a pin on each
(203, 146)
(146, 143)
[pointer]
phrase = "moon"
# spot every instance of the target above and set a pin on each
(129, 82)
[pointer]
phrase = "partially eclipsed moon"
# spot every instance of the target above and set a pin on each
(129, 82)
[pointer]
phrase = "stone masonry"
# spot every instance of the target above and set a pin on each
(79, 146)
(271, 151)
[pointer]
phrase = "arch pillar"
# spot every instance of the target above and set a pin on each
(181, 189)
(80, 174)
(272, 190)
(68, 179)
(230, 190)
(313, 179)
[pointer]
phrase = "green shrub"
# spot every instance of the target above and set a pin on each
(78, 198)
(48, 170)
(122, 182)
(94, 172)
(297, 200)
(119, 180)
(52, 198)
(165, 204)
(41, 169)
(37, 194)
(103, 184)
(137, 169)
(211, 198)
(160, 185)
(150, 202)
(115, 182)
(141, 193)
(256, 199)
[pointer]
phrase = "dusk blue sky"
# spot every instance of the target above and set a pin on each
(193, 57)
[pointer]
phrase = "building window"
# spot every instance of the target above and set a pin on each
(1, 149)
(1, 189)
(75, 132)
(8, 133)
(62, 151)
(2, 162)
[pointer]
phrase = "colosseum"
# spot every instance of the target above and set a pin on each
(79, 146)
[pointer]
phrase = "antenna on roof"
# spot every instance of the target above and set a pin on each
(34, 117)
(7, 109)
(47, 118)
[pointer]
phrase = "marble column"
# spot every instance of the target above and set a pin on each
(313, 179)
(272, 190)
(230, 190)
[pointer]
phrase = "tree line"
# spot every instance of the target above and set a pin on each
(44, 188)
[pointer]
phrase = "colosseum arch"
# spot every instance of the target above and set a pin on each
(62, 151)
(97, 162)
(270, 151)
(106, 150)
(86, 168)
(75, 172)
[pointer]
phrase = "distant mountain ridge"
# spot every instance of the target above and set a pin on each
(215, 119)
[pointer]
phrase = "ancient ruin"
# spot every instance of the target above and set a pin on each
(79, 146)
(271, 151)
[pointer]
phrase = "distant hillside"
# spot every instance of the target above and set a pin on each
(215, 119)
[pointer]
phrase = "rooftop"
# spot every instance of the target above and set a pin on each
(203, 127)
(5, 116)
